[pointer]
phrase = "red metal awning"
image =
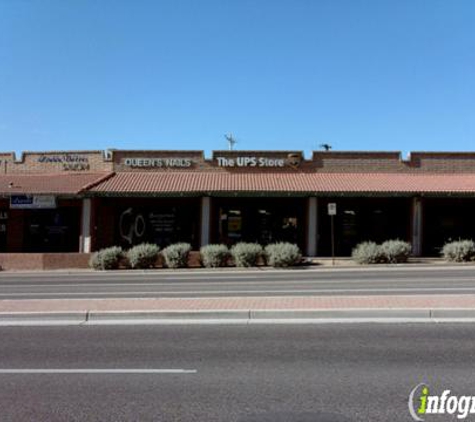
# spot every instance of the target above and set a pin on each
(57, 184)
(220, 182)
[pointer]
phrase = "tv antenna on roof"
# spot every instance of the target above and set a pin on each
(231, 141)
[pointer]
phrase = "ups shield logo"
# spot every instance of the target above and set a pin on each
(294, 160)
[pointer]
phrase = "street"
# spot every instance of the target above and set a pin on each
(274, 373)
(404, 280)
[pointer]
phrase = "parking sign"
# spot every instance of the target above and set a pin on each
(332, 209)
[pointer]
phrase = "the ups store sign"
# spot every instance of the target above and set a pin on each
(243, 159)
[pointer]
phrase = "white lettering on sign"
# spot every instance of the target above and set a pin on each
(3, 215)
(250, 162)
(35, 201)
(158, 162)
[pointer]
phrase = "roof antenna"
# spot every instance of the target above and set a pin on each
(231, 141)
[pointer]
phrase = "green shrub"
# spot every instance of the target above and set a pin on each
(176, 255)
(143, 255)
(395, 251)
(214, 255)
(283, 254)
(368, 253)
(106, 259)
(459, 251)
(246, 254)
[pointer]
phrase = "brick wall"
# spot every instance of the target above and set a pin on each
(55, 162)
(417, 162)
(43, 261)
(321, 161)
(59, 162)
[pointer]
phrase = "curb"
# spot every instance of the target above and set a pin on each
(238, 316)
(230, 270)
(78, 317)
(167, 315)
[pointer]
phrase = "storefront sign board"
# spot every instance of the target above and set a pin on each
(32, 202)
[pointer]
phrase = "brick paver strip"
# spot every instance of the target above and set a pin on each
(236, 303)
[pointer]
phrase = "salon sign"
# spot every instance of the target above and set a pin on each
(69, 162)
(143, 162)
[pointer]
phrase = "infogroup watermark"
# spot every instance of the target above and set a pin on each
(422, 403)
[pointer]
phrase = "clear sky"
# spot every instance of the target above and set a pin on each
(278, 74)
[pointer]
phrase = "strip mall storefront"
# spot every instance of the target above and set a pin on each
(82, 201)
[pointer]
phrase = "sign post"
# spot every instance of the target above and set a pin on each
(332, 213)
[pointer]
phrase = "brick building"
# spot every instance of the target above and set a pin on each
(81, 201)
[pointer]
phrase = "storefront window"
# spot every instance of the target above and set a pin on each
(3, 230)
(363, 219)
(52, 230)
(162, 226)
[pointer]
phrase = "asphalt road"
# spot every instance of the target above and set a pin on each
(402, 280)
(323, 373)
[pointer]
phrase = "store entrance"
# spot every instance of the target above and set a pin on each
(263, 222)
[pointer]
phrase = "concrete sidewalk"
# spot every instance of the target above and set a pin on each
(241, 309)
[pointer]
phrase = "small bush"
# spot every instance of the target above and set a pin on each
(246, 254)
(106, 259)
(368, 253)
(459, 251)
(143, 255)
(214, 255)
(396, 251)
(176, 255)
(283, 254)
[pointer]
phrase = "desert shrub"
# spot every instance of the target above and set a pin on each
(459, 251)
(283, 254)
(396, 251)
(106, 259)
(246, 254)
(143, 255)
(176, 255)
(368, 253)
(214, 255)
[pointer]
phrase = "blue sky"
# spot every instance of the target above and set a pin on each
(278, 74)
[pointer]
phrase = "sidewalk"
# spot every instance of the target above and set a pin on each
(299, 303)
(428, 308)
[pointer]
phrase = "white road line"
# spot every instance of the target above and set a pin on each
(98, 371)
(224, 292)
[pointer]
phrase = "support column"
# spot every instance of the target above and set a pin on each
(416, 226)
(205, 220)
(312, 226)
(85, 237)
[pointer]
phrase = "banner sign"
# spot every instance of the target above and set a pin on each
(32, 202)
